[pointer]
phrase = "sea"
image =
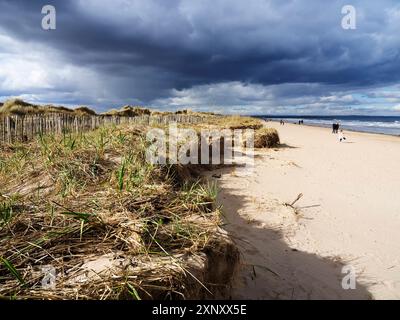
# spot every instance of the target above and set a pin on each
(375, 124)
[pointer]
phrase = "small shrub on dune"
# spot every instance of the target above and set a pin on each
(184, 111)
(266, 138)
(16, 102)
(111, 112)
(128, 111)
(236, 122)
(54, 109)
(84, 111)
(161, 113)
(195, 113)
(20, 107)
(17, 106)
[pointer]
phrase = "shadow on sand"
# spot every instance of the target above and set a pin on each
(270, 269)
(286, 146)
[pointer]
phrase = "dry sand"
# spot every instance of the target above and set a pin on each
(349, 215)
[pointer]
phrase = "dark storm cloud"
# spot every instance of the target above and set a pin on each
(144, 50)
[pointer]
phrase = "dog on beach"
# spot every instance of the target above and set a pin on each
(341, 136)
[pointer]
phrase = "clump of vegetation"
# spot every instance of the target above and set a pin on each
(193, 113)
(161, 113)
(111, 225)
(84, 111)
(266, 138)
(263, 137)
(238, 122)
(184, 111)
(235, 122)
(128, 111)
(20, 107)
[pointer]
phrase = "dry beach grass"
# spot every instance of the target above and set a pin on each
(112, 225)
(92, 200)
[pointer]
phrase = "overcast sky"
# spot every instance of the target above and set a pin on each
(253, 56)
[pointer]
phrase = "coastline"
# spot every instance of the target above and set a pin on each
(347, 217)
(329, 127)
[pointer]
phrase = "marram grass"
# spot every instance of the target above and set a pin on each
(71, 199)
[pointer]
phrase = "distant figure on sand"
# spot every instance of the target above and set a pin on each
(341, 136)
(282, 123)
(335, 127)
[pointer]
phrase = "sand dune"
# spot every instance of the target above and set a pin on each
(349, 215)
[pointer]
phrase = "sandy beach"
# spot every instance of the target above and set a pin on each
(349, 215)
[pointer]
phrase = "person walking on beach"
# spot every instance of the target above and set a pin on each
(282, 123)
(335, 127)
(341, 136)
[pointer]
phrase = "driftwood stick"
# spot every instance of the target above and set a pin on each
(293, 203)
(297, 199)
